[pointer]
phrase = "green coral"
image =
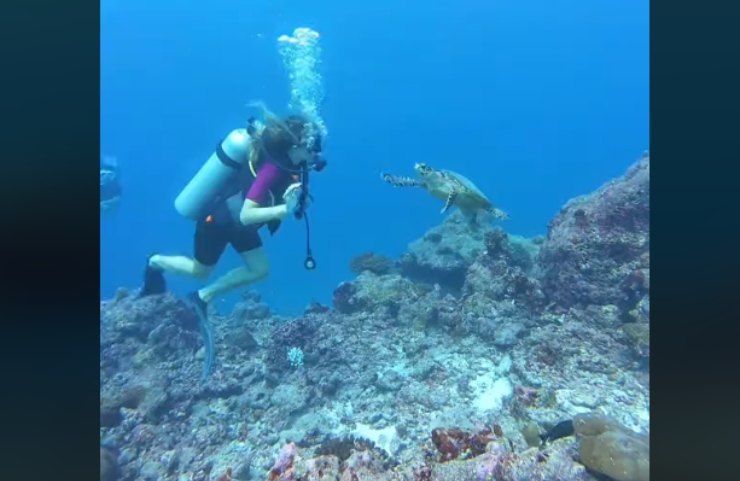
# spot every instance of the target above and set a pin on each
(531, 433)
(638, 334)
(617, 454)
(609, 448)
(382, 291)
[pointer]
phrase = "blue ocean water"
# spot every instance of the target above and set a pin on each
(536, 101)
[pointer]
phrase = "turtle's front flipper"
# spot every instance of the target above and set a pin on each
(450, 199)
(397, 181)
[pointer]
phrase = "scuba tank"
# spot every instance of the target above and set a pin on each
(225, 163)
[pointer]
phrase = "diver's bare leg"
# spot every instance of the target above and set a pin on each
(256, 268)
(181, 265)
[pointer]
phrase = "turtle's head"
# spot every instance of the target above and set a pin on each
(422, 169)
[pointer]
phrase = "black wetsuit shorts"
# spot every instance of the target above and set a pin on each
(211, 238)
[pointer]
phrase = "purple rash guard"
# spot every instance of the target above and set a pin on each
(271, 181)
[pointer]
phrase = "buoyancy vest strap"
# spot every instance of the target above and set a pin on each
(225, 159)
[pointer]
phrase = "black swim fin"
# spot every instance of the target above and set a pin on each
(154, 281)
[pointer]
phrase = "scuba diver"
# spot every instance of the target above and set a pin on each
(256, 177)
(110, 185)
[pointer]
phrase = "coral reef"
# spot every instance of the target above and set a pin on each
(108, 465)
(454, 443)
(609, 448)
(444, 254)
(449, 366)
(372, 262)
(597, 247)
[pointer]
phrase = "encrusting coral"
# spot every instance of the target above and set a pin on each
(448, 363)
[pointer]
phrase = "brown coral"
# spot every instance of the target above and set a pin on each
(369, 261)
(608, 447)
(453, 443)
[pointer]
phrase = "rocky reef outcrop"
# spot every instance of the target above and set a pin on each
(449, 362)
(597, 250)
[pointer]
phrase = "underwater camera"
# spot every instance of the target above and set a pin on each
(318, 164)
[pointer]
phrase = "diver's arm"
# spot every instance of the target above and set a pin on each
(252, 213)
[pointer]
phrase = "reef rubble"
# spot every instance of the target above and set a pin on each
(449, 363)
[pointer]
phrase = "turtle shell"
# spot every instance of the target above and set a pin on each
(463, 185)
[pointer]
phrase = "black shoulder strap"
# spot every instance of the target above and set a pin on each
(225, 159)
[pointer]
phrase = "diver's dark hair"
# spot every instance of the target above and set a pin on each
(279, 137)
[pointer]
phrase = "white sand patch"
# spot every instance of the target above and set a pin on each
(490, 393)
(386, 439)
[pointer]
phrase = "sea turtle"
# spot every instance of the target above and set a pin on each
(451, 187)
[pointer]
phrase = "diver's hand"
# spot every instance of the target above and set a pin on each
(292, 195)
